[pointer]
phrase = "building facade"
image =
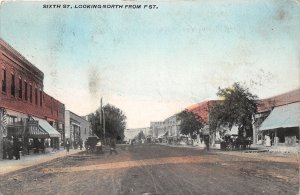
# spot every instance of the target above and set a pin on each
(202, 110)
(278, 117)
(172, 128)
(132, 133)
(158, 129)
(25, 109)
(77, 128)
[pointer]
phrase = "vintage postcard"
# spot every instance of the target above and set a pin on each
(149, 97)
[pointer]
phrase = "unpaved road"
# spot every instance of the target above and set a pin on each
(157, 169)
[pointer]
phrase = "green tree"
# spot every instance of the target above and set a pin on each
(190, 124)
(140, 136)
(115, 122)
(237, 108)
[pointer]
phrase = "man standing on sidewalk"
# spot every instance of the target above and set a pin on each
(206, 142)
(17, 148)
(113, 146)
(10, 151)
(68, 145)
(5, 148)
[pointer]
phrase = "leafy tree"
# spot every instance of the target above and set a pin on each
(115, 122)
(237, 108)
(190, 124)
(140, 136)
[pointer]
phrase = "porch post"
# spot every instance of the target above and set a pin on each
(275, 138)
(1, 134)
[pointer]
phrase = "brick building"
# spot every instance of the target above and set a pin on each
(202, 110)
(26, 111)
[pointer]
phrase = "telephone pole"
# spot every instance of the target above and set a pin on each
(102, 120)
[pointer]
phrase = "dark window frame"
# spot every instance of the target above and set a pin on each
(20, 88)
(13, 85)
(26, 90)
(30, 91)
(41, 98)
(36, 96)
(3, 81)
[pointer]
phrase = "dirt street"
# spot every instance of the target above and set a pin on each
(157, 169)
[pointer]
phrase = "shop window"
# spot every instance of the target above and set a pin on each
(20, 88)
(30, 95)
(3, 80)
(11, 120)
(12, 88)
(25, 90)
(36, 96)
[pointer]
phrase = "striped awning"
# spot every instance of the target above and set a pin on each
(34, 131)
(46, 127)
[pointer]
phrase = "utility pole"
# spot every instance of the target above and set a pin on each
(104, 126)
(102, 119)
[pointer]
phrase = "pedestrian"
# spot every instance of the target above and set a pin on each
(29, 146)
(43, 145)
(68, 145)
(113, 146)
(206, 142)
(80, 144)
(16, 148)
(5, 148)
(10, 151)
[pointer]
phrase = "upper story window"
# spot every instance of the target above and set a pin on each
(3, 80)
(41, 98)
(26, 90)
(20, 88)
(36, 96)
(30, 95)
(12, 88)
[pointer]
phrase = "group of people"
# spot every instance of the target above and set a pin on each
(11, 148)
(76, 144)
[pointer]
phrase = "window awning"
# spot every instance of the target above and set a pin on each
(45, 126)
(282, 117)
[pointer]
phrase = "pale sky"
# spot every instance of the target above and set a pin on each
(154, 63)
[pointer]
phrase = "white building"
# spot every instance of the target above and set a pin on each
(76, 127)
(131, 133)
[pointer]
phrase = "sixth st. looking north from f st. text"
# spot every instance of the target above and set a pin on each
(97, 6)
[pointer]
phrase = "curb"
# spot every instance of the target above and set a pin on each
(35, 163)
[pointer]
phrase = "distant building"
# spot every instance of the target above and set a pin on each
(171, 125)
(158, 129)
(76, 127)
(26, 111)
(132, 133)
(279, 118)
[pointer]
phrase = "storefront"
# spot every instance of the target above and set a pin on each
(282, 125)
(52, 134)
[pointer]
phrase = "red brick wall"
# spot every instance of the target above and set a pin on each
(53, 108)
(15, 63)
(279, 100)
(202, 109)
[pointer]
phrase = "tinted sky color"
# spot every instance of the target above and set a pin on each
(154, 63)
